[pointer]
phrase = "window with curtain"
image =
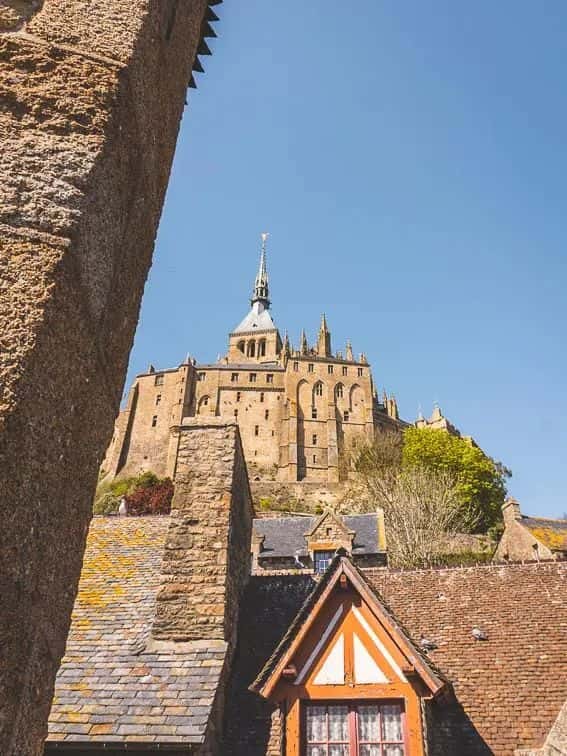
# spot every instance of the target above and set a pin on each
(354, 729)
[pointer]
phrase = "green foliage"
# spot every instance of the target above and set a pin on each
(107, 504)
(265, 503)
(463, 558)
(480, 480)
(318, 509)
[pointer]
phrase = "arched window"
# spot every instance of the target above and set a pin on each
(241, 346)
(319, 389)
(203, 402)
(262, 348)
(251, 349)
(339, 391)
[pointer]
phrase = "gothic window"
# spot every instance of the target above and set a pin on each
(314, 440)
(158, 399)
(330, 369)
(310, 367)
(158, 380)
(201, 376)
(321, 560)
(241, 346)
(319, 389)
(270, 378)
(345, 370)
(360, 371)
(202, 403)
(354, 729)
(252, 377)
(262, 348)
(234, 378)
(251, 348)
(154, 421)
(339, 391)
(314, 413)
(295, 367)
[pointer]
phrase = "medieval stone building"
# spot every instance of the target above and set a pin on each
(295, 408)
(195, 633)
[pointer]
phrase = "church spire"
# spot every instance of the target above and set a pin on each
(324, 339)
(261, 290)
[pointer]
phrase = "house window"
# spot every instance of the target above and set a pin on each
(158, 381)
(346, 416)
(238, 396)
(314, 440)
(367, 729)
(266, 414)
(330, 369)
(319, 389)
(252, 377)
(256, 430)
(314, 459)
(295, 367)
(310, 367)
(154, 421)
(234, 377)
(360, 372)
(270, 378)
(262, 348)
(321, 560)
(339, 391)
(158, 399)
(236, 414)
(345, 371)
(241, 346)
(201, 376)
(314, 413)
(261, 396)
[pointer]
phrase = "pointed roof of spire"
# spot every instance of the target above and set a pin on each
(324, 323)
(259, 318)
(261, 289)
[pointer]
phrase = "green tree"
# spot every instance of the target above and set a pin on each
(480, 480)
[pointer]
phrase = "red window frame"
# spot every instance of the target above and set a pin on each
(354, 741)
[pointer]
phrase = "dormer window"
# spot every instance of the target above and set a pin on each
(321, 560)
(355, 729)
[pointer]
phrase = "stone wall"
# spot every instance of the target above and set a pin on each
(207, 553)
(93, 96)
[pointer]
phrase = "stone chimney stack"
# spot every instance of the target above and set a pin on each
(511, 510)
(206, 560)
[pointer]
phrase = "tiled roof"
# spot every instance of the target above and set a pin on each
(114, 684)
(510, 688)
(551, 533)
(285, 536)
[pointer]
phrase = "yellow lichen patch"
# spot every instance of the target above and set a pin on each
(550, 537)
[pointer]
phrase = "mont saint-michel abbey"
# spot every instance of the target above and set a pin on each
(296, 407)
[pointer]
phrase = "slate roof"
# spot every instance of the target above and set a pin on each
(509, 688)
(113, 684)
(551, 533)
(258, 319)
(285, 536)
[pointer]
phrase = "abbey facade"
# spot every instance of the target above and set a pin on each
(296, 408)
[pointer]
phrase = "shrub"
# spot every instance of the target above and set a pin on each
(151, 499)
(265, 503)
(107, 504)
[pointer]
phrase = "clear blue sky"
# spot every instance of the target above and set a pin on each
(409, 160)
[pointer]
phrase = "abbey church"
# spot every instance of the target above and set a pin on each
(296, 408)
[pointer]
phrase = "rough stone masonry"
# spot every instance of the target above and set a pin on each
(92, 95)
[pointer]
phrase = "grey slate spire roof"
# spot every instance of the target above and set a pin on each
(259, 318)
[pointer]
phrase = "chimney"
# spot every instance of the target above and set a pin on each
(206, 560)
(511, 510)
